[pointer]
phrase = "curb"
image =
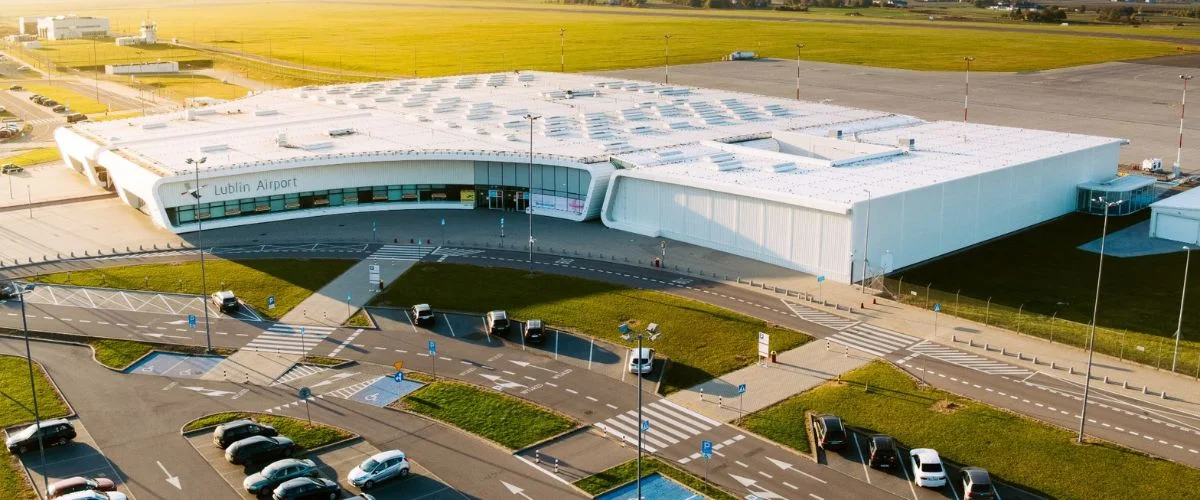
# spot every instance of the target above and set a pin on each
(81, 340)
(252, 414)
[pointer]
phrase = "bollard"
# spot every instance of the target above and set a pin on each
(1035, 360)
(556, 466)
(156, 246)
(114, 250)
(953, 338)
(1071, 370)
(720, 400)
(537, 456)
(701, 394)
(1106, 379)
(987, 347)
(72, 255)
(127, 249)
(1163, 395)
(85, 253)
(140, 248)
(168, 246)
(1125, 384)
(1020, 356)
(1052, 366)
(971, 342)
(1004, 351)
(1145, 390)
(826, 345)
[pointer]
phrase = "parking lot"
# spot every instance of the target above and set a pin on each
(851, 460)
(334, 463)
(176, 304)
(583, 352)
(81, 457)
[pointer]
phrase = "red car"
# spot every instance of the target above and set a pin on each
(77, 484)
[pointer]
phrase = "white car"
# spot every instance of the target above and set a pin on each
(24, 68)
(95, 495)
(927, 468)
(641, 363)
(381, 467)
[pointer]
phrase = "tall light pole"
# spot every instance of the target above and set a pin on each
(37, 416)
(200, 241)
(798, 47)
(967, 86)
(866, 238)
(1182, 295)
(529, 194)
(1182, 108)
(667, 59)
(627, 334)
(562, 51)
(1087, 382)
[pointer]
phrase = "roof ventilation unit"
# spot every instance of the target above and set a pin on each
(313, 146)
(338, 132)
(724, 162)
(783, 167)
(265, 112)
(835, 134)
(213, 148)
(669, 154)
(152, 126)
(907, 143)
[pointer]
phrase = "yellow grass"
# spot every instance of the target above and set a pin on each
(180, 87)
(33, 157)
(74, 100)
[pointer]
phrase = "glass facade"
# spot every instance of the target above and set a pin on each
(498, 186)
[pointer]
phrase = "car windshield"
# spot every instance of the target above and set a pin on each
(931, 467)
(369, 465)
(230, 301)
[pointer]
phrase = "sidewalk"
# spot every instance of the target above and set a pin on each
(796, 371)
(329, 307)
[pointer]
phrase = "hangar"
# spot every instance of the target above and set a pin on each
(815, 187)
(1177, 218)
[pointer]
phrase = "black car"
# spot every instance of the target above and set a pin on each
(305, 488)
(830, 432)
(237, 430)
(56, 432)
(259, 450)
(8, 290)
(882, 452)
(535, 333)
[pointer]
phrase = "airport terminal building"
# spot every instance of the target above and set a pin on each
(808, 186)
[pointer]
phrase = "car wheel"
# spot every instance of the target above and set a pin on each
(333, 496)
(404, 472)
(62, 441)
(368, 485)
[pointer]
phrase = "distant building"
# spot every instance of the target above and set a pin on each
(147, 36)
(71, 27)
(142, 68)
(27, 25)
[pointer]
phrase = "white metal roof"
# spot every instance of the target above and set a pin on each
(1187, 200)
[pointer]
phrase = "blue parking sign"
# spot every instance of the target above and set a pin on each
(741, 388)
(820, 278)
(270, 302)
(432, 348)
(192, 321)
(706, 448)
(398, 377)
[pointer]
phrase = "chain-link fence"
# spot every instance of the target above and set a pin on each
(1150, 350)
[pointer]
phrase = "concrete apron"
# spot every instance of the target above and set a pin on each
(329, 305)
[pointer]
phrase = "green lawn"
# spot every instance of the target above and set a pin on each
(702, 341)
(504, 419)
(119, 354)
(34, 157)
(290, 281)
(16, 407)
(12, 479)
(1013, 448)
(298, 430)
(360, 319)
(1045, 275)
(608, 479)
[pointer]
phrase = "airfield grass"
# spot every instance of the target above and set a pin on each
(298, 430)
(880, 398)
(180, 87)
(69, 98)
(17, 408)
(702, 341)
(33, 157)
(506, 420)
(289, 280)
(408, 39)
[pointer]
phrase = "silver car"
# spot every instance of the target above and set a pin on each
(379, 468)
(275, 474)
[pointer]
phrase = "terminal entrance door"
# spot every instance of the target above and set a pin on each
(495, 199)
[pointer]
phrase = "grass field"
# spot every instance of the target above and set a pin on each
(77, 102)
(17, 408)
(702, 341)
(119, 354)
(181, 87)
(504, 419)
(298, 430)
(611, 478)
(34, 157)
(290, 281)
(1011, 447)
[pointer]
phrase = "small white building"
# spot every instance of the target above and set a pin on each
(142, 68)
(71, 27)
(1177, 218)
(147, 36)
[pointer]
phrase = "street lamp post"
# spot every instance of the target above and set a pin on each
(627, 334)
(37, 416)
(866, 238)
(200, 242)
(529, 194)
(967, 86)
(1182, 108)
(667, 59)
(1182, 295)
(798, 47)
(562, 50)
(1087, 381)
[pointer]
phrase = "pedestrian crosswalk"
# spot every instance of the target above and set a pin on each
(289, 339)
(401, 252)
(298, 371)
(967, 360)
(873, 339)
(820, 317)
(670, 424)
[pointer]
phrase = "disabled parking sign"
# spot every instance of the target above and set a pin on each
(432, 348)
(271, 302)
(398, 377)
(192, 321)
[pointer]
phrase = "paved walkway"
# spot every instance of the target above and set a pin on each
(335, 302)
(1133, 241)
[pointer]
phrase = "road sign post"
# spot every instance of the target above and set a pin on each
(443, 231)
(937, 308)
(706, 450)
(270, 302)
(764, 346)
(433, 356)
(305, 393)
(398, 377)
(347, 305)
(502, 229)
(192, 321)
(741, 395)
(821, 287)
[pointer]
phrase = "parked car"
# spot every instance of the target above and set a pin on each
(49, 103)
(497, 323)
(830, 433)
(55, 432)
(379, 468)
(24, 68)
(95, 495)
(76, 117)
(306, 488)
(534, 332)
(927, 468)
(15, 87)
(277, 473)
(8, 289)
(11, 168)
(882, 452)
(237, 430)
(59, 109)
(259, 450)
(422, 314)
(225, 301)
(37, 98)
(977, 483)
(641, 363)
(79, 483)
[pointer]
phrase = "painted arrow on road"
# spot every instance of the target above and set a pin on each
(526, 364)
(207, 392)
(501, 384)
(174, 480)
(751, 484)
(516, 490)
(785, 466)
